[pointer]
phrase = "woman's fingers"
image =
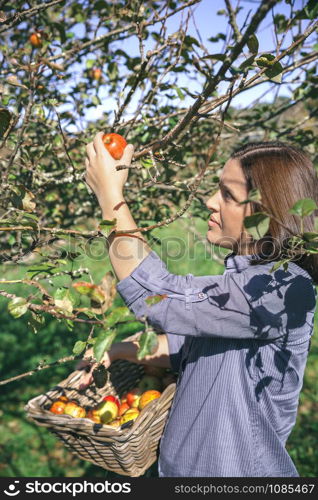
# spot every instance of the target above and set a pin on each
(87, 378)
(128, 154)
(91, 153)
(99, 145)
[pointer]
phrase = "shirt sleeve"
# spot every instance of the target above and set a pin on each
(251, 304)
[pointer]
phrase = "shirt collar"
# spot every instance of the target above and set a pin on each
(237, 263)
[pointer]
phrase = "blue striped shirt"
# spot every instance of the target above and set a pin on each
(239, 342)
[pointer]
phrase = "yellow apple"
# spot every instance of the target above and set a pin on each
(146, 397)
(130, 414)
(107, 411)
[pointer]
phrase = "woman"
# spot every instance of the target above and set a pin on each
(239, 341)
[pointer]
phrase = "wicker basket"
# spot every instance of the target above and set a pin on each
(128, 450)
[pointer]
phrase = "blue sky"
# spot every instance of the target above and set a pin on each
(208, 23)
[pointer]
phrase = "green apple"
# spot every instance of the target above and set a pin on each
(150, 382)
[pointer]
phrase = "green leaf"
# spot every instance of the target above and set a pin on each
(90, 63)
(189, 40)
(63, 300)
(253, 44)
(5, 117)
(94, 292)
(179, 92)
(36, 321)
(216, 57)
(308, 236)
(61, 29)
(146, 162)
(118, 314)
(126, 329)
(257, 224)
(79, 347)
(278, 264)
(154, 299)
(103, 343)
(106, 226)
(274, 72)
(17, 307)
(311, 9)
(248, 62)
(265, 61)
(304, 207)
(148, 344)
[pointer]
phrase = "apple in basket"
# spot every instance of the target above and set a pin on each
(149, 382)
(74, 410)
(110, 397)
(93, 415)
(123, 408)
(130, 414)
(107, 411)
(133, 397)
(147, 397)
(58, 407)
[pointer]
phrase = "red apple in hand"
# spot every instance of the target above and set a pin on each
(115, 144)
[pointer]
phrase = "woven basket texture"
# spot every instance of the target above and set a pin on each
(128, 450)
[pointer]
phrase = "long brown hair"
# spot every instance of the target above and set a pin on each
(283, 174)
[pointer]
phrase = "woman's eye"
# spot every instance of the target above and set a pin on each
(227, 194)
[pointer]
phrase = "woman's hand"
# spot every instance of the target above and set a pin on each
(87, 377)
(101, 174)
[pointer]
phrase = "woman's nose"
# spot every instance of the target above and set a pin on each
(212, 203)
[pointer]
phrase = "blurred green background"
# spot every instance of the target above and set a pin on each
(30, 451)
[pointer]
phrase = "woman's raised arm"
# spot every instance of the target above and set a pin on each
(125, 252)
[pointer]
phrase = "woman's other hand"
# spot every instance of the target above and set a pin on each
(89, 367)
(101, 174)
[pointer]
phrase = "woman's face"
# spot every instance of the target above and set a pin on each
(226, 210)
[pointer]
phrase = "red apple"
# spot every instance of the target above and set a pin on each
(133, 396)
(58, 407)
(96, 73)
(123, 408)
